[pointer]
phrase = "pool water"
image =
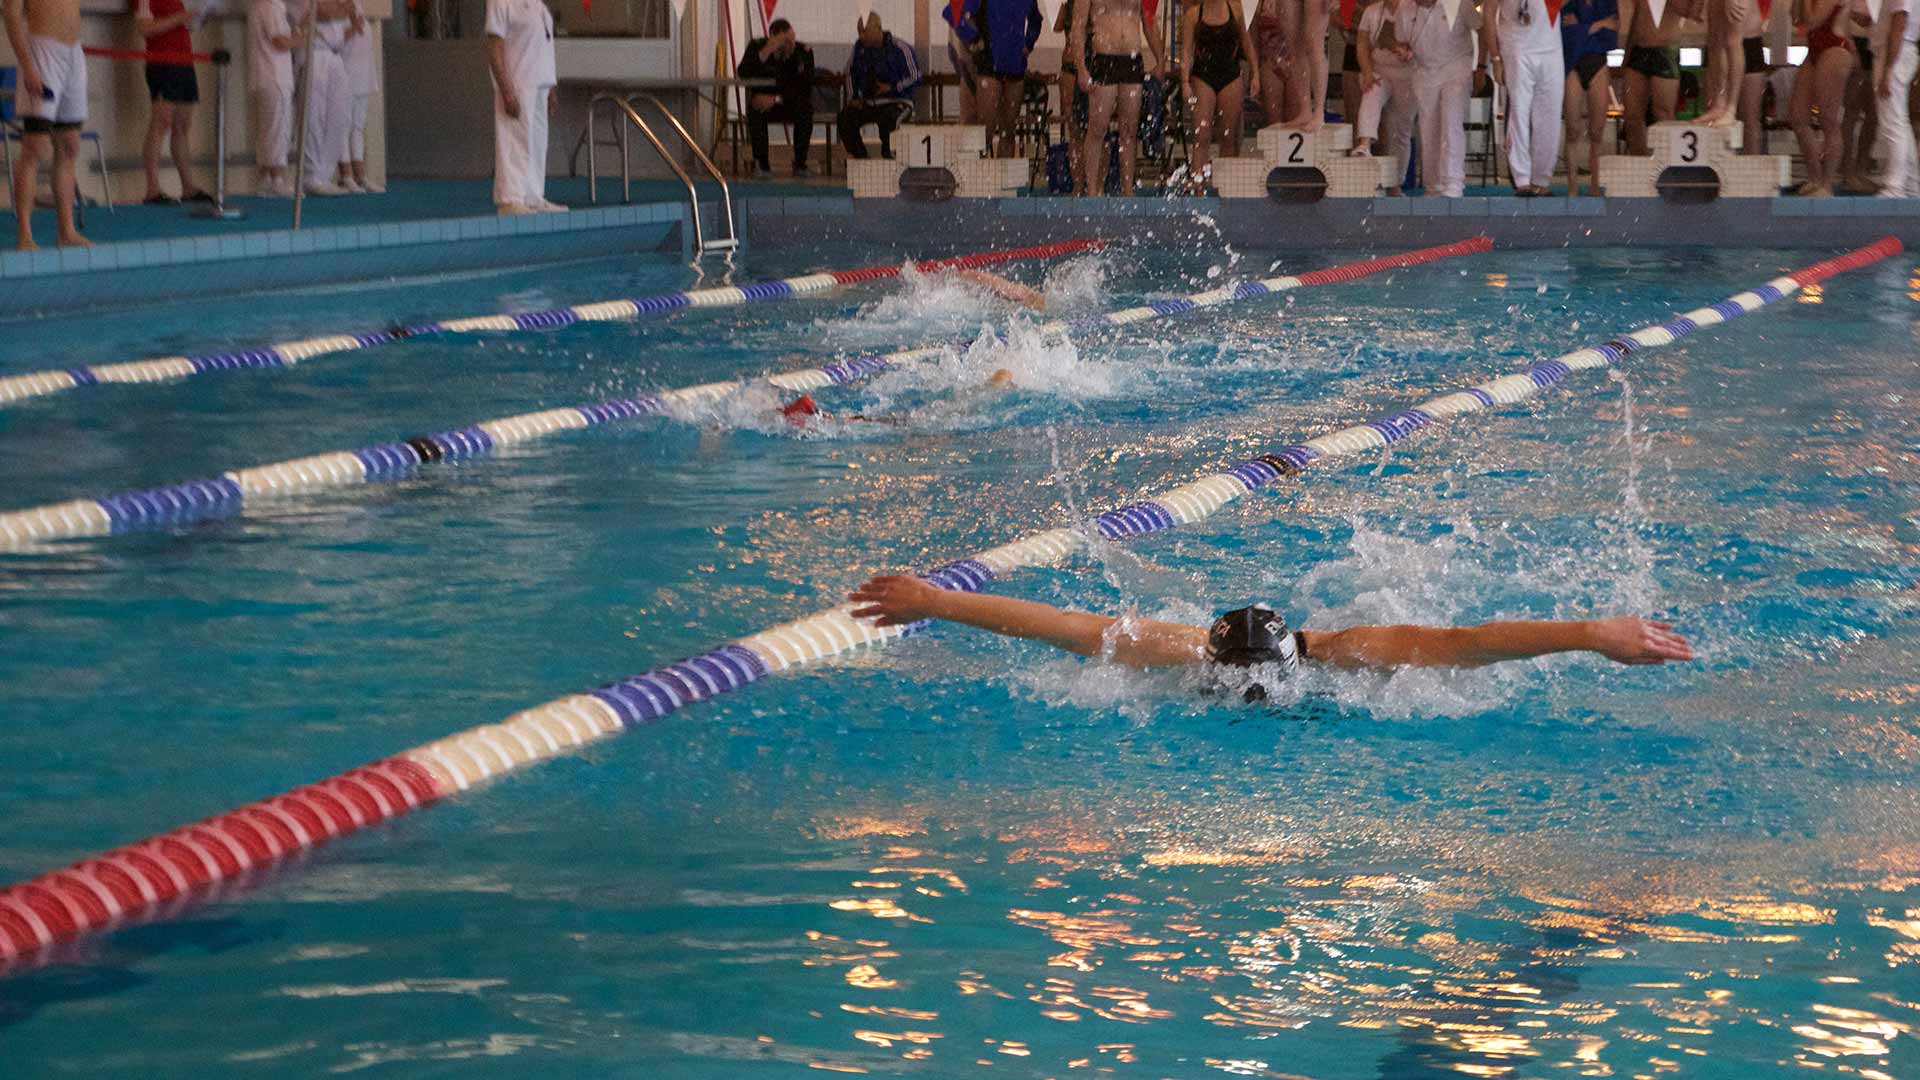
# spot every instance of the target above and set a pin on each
(961, 855)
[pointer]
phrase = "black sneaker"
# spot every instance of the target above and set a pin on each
(801, 172)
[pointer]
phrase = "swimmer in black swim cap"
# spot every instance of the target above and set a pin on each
(1257, 636)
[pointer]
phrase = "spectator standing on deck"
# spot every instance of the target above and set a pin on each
(1117, 42)
(520, 58)
(1589, 32)
(779, 56)
(1274, 25)
(270, 82)
(1386, 113)
(1522, 41)
(173, 90)
(328, 98)
(1004, 33)
(361, 80)
(881, 80)
(1652, 72)
(52, 103)
(1219, 52)
(961, 37)
(1442, 80)
(1892, 83)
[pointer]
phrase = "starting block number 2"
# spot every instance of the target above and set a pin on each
(928, 152)
(1294, 145)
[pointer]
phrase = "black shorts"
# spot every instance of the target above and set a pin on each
(1864, 48)
(1588, 66)
(1350, 60)
(1107, 69)
(1756, 56)
(40, 125)
(173, 82)
(1655, 61)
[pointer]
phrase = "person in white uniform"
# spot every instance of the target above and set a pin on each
(520, 57)
(1386, 72)
(270, 82)
(327, 97)
(361, 79)
(1442, 81)
(1892, 83)
(1522, 41)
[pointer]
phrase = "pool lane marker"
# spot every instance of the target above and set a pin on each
(229, 493)
(152, 877)
(16, 388)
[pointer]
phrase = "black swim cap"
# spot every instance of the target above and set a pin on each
(1253, 636)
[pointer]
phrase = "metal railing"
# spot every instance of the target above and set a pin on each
(624, 107)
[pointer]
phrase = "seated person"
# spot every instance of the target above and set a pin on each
(881, 79)
(779, 56)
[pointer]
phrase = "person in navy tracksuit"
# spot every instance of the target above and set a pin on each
(881, 80)
(1000, 34)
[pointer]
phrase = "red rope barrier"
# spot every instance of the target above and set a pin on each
(152, 57)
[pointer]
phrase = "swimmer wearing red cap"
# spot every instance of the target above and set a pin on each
(803, 411)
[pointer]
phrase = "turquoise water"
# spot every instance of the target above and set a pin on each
(961, 855)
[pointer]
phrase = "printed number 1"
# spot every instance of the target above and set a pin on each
(926, 145)
(1297, 156)
(1692, 149)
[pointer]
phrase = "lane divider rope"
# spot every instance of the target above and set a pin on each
(150, 877)
(230, 492)
(16, 388)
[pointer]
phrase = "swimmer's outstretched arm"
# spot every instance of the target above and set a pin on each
(1625, 639)
(895, 600)
(1008, 290)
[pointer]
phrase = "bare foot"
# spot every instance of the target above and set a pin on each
(1807, 187)
(27, 244)
(75, 241)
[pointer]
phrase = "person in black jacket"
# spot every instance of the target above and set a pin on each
(779, 56)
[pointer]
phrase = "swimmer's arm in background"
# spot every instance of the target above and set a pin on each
(895, 600)
(1009, 290)
(1625, 640)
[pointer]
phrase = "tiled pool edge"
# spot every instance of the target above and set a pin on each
(1337, 224)
(52, 281)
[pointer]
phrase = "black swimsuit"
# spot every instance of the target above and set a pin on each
(1216, 53)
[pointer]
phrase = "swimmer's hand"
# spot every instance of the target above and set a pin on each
(896, 600)
(1629, 639)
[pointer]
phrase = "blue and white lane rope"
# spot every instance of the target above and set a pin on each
(152, 877)
(230, 492)
(16, 388)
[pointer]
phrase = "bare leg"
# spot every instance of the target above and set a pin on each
(986, 105)
(182, 148)
(1835, 68)
(1010, 93)
(1350, 91)
(1129, 134)
(1724, 20)
(1100, 103)
(66, 148)
(1800, 115)
(1200, 157)
(1232, 100)
(1599, 95)
(26, 173)
(1069, 84)
(1573, 106)
(159, 122)
(1863, 129)
(1633, 121)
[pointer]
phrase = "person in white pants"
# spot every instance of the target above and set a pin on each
(1386, 71)
(327, 99)
(520, 58)
(361, 79)
(270, 82)
(1442, 81)
(1522, 41)
(1900, 173)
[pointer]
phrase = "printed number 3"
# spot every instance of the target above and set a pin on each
(1296, 156)
(1691, 149)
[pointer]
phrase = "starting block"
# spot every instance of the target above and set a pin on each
(1324, 151)
(1677, 144)
(958, 148)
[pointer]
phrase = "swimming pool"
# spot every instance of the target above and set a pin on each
(958, 850)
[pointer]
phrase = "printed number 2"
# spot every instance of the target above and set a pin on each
(1297, 155)
(926, 148)
(1690, 151)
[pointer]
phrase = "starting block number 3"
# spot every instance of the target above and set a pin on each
(928, 152)
(1688, 146)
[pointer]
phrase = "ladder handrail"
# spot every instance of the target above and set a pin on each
(726, 192)
(626, 163)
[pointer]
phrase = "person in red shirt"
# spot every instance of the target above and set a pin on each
(166, 24)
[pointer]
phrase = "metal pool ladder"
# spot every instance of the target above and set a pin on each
(624, 109)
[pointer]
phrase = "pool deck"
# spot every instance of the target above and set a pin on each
(424, 227)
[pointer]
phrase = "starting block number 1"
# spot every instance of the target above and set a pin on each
(1688, 146)
(928, 152)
